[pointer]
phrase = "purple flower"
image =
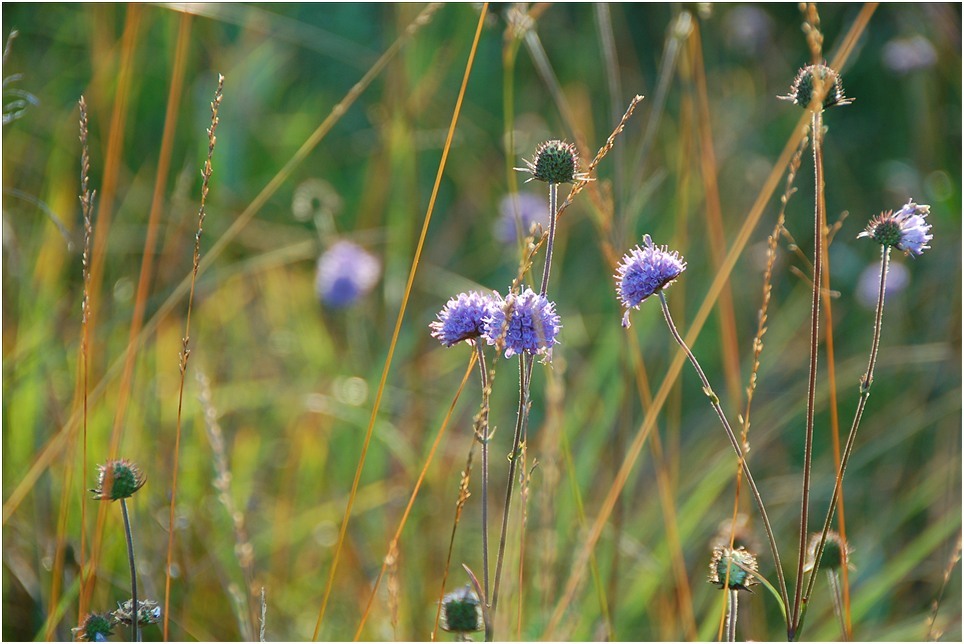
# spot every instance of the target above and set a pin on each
(463, 318)
(905, 229)
(346, 271)
(518, 211)
(868, 284)
(643, 272)
(532, 324)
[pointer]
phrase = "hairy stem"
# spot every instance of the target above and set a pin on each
(482, 435)
(732, 606)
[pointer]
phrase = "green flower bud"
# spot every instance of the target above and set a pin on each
(555, 162)
(462, 612)
(94, 628)
(117, 480)
(802, 90)
(732, 568)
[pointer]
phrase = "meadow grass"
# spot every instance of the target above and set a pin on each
(306, 486)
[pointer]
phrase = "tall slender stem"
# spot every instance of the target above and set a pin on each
(816, 125)
(732, 607)
(482, 435)
(837, 600)
(865, 384)
(135, 634)
(715, 402)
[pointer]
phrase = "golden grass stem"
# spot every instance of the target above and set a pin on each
(398, 322)
(185, 353)
(411, 500)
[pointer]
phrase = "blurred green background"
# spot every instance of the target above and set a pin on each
(293, 382)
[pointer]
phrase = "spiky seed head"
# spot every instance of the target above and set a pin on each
(803, 88)
(95, 628)
(740, 564)
(461, 611)
(117, 479)
(554, 162)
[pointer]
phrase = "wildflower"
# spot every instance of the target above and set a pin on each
(836, 552)
(532, 324)
(94, 628)
(905, 229)
(802, 90)
(518, 211)
(346, 271)
(738, 564)
(148, 612)
(461, 611)
(555, 162)
(643, 272)
(462, 318)
(117, 480)
(868, 284)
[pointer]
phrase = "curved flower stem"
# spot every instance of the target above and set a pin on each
(715, 402)
(135, 635)
(816, 125)
(865, 384)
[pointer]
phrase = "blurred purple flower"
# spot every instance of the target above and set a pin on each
(346, 272)
(868, 284)
(532, 327)
(518, 211)
(903, 55)
(463, 318)
(643, 272)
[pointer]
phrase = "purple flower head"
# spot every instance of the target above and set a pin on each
(463, 318)
(868, 284)
(518, 211)
(346, 271)
(905, 229)
(532, 324)
(643, 272)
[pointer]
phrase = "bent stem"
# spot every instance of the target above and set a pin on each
(135, 634)
(865, 384)
(715, 402)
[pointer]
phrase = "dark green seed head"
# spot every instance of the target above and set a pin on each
(94, 628)
(555, 162)
(461, 612)
(885, 229)
(836, 553)
(117, 480)
(802, 90)
(730, 568)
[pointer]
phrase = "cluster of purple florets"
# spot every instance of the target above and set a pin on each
(521, 323)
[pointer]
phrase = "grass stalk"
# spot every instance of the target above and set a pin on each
(185, 352)
(398, 323)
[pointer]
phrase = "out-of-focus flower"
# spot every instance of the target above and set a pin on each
(346, 271)
(903, 55)
(148, 612)
(517, 212)
(461, 612)
(463, 318)
(868, 284)
(94, 628)
(532, 324)
(836, 552)
(644, 271)
(906, 229)
(118, 479)
(733, 568)
(802, 90)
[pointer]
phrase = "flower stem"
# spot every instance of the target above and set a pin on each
(837, 600)
(732, 606)
(865, 384)
(553, 199)
(135, 634)
(715, 402)
(816, 125)
(482, 435)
